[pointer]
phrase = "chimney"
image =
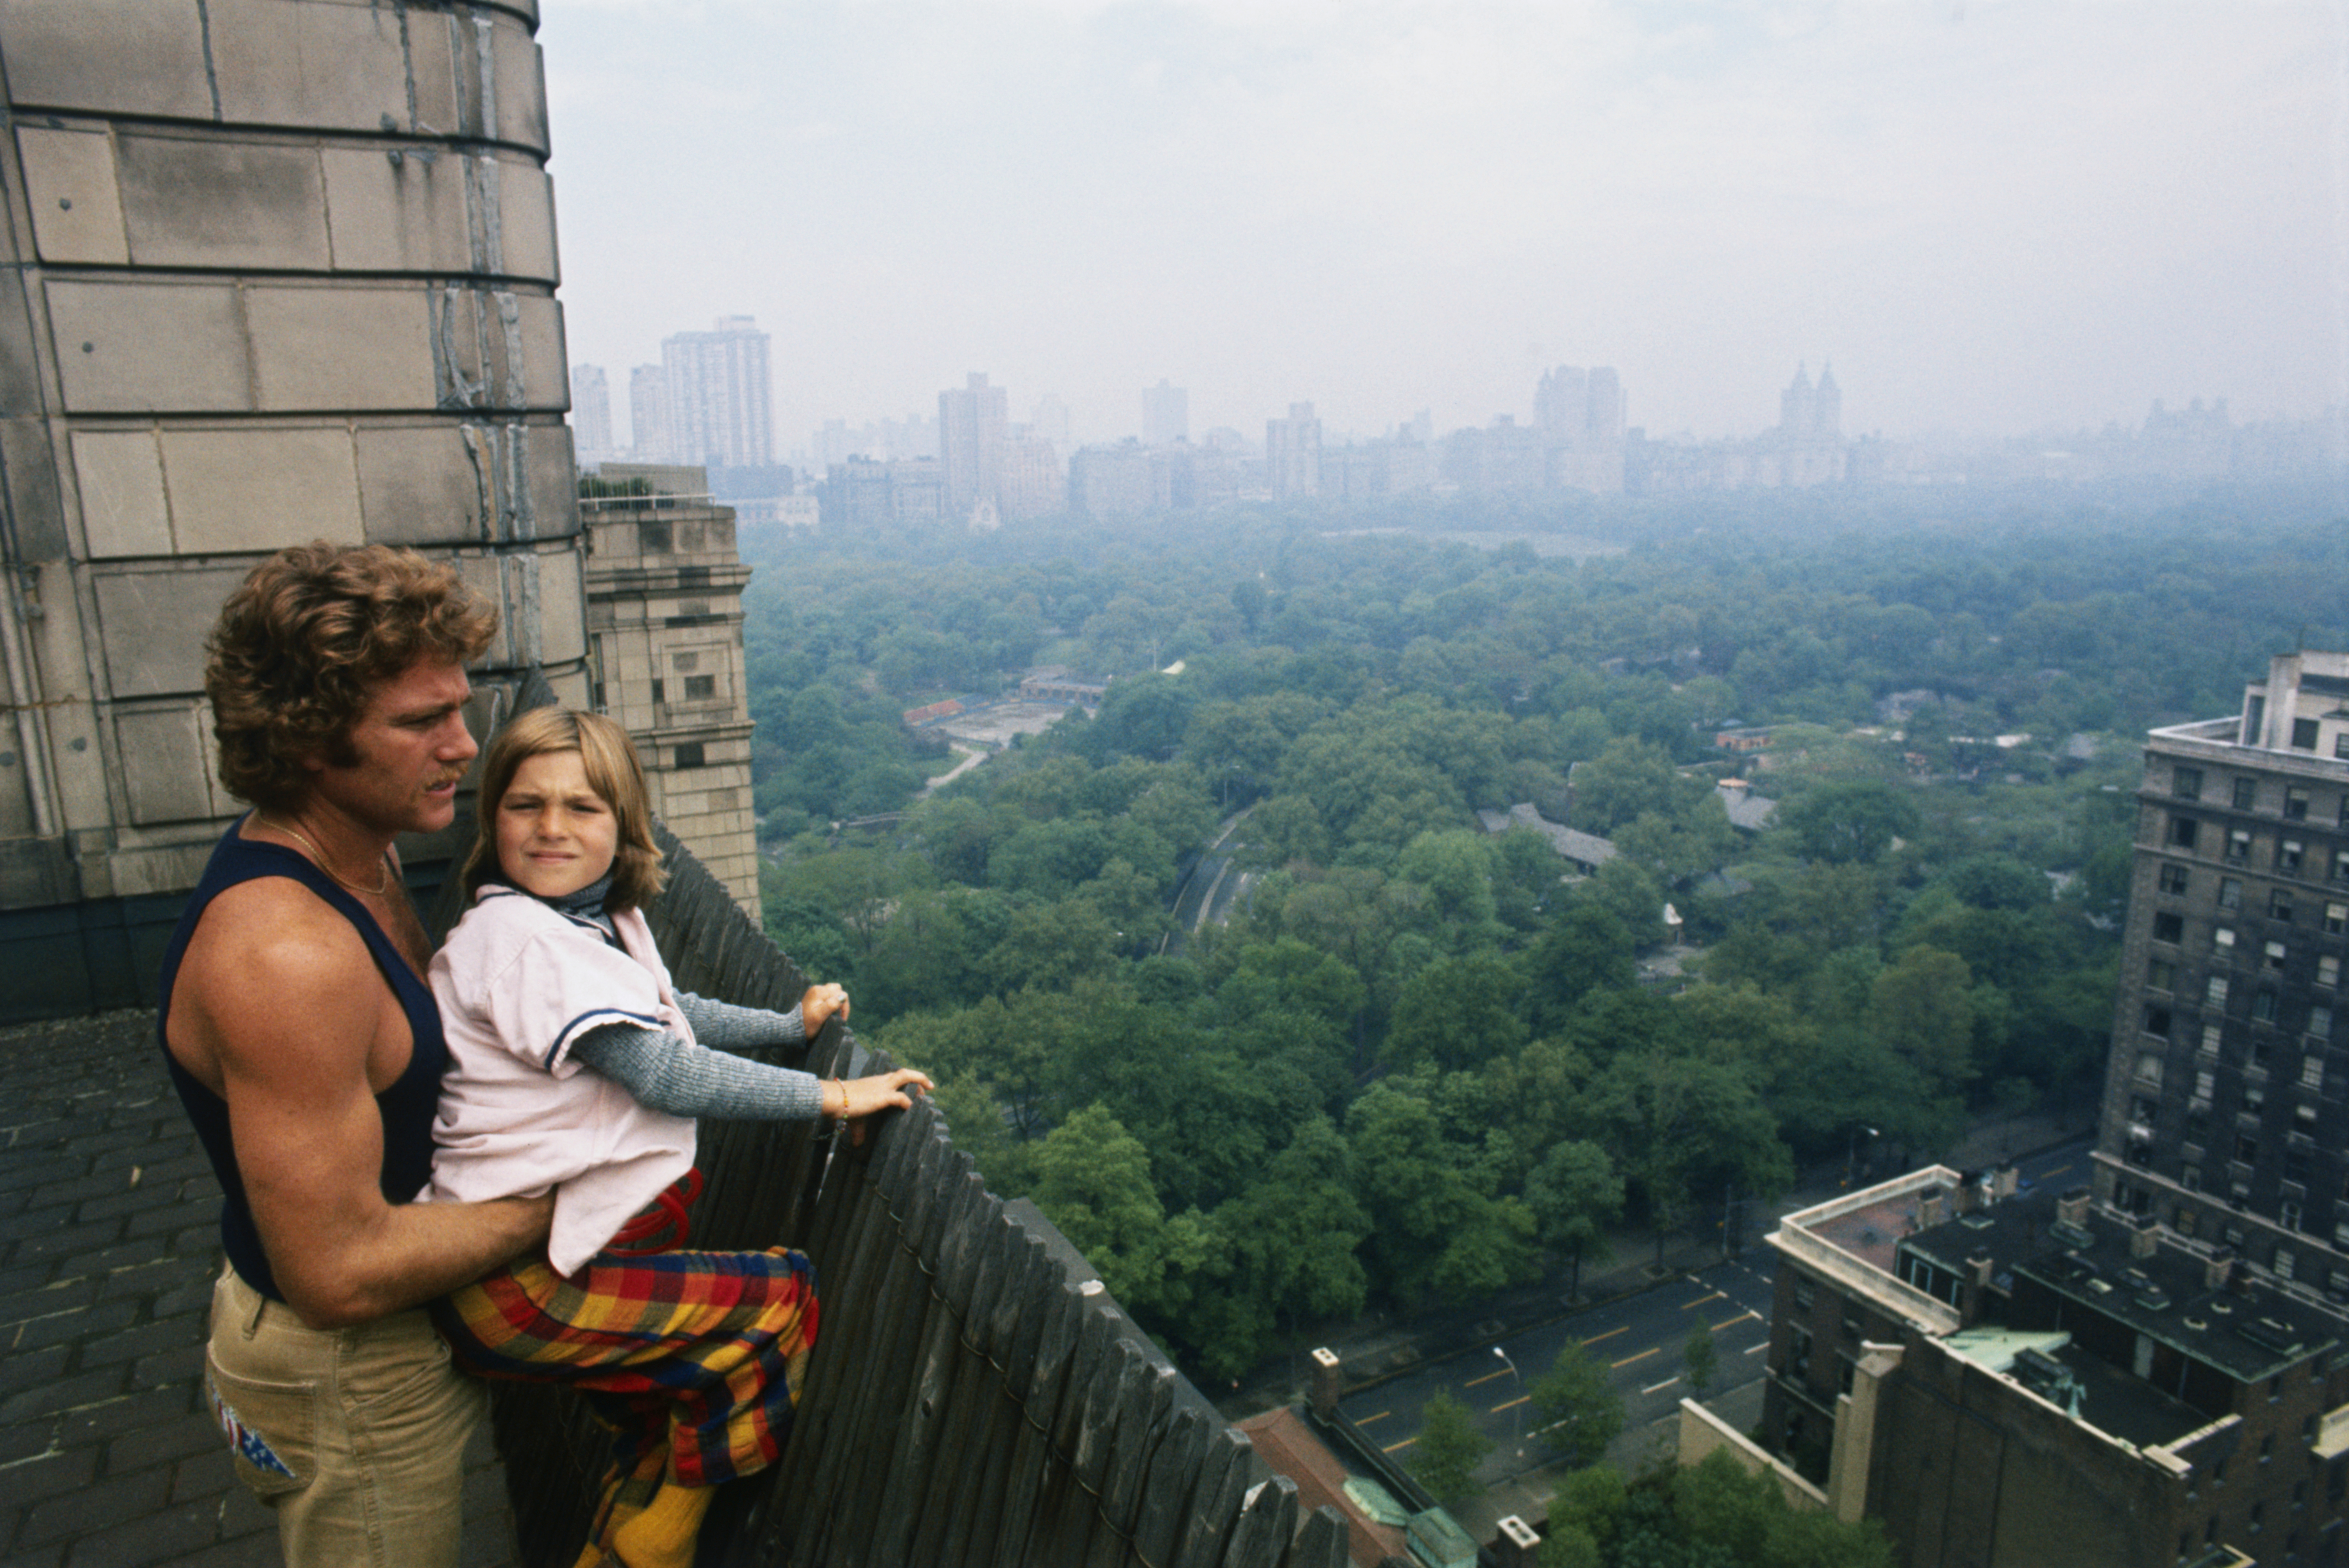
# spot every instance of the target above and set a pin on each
(1976, 1285)
(2145, 1236)
(1970, 1192)
(2218, 1269)
(1932, 1206)
(1517, 1545)
(2004, 1180)
(1328, 1382)
(2072, 1208)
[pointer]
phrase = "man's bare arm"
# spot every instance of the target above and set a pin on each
(291, 1009)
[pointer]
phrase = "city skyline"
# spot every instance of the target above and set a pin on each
(1991, 219)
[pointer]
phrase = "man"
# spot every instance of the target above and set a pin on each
(304, 1043)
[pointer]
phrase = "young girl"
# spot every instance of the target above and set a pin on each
(577, 1066)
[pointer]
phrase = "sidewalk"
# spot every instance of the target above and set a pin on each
(109, 1246)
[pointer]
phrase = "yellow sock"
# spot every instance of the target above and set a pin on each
(663, 1535)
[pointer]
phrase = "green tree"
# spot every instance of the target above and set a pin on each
(1092, 1180)
(1850, 822)
(1698, 1359)
(1575, 1194)
(1449, 1448)
(1575, 1412)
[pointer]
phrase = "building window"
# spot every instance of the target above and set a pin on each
(2303, 734)
(1850, 1324)
(2256, 1055)
(2160, 973)
(2206, 1083)
(661, 689)
(2189, 1178)
(2289, 855)
(2296, 1163)
(2211, 1033)
(2279, 905)
(2214, 991)
(2320, 1022)
(2328, 970)
(700, 688)
(2230, 893)
(2312, 1075)
(2288, 1216)
(1799, 1352)
(2239, 846)
(2169, 926)
(2275, 957)
(2341, 861)
(1805, 1295)
(2247, 1149)
(2186, 783)
(2282, 1262)
(2223, 938)
(690, 754)
(2157, 1021)
(2173, 879)
(2336, 919)
(2247, 793)
(2183, 831)
(2148, 1069)
(2295, 805)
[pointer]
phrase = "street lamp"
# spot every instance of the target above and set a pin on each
(1519, 1405)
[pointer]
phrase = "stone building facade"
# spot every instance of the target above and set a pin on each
(278, 270)
(665, 626)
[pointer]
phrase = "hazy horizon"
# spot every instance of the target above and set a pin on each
(1990, 218)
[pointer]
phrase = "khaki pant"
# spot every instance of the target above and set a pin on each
(354, 1437)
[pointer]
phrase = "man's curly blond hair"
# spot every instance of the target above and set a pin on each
(298, 647)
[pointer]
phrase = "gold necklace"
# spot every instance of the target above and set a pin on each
(319, 858)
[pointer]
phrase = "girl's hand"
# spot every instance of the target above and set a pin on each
(818, 1005)
(861, 1097)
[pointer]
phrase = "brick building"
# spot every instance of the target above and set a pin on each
(2010, 1382)
(2223, 1116)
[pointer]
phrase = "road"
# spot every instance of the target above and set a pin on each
(1208, 892)
(1637, 1340)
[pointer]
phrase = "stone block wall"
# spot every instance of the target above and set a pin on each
(280, 270)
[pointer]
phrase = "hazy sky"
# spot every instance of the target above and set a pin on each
(1991, 217)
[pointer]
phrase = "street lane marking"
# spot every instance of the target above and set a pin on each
(1716, 1296)
(1734, 1322)
(1749, 1350)
(1651, 1350)
(1472, 1383)
(1510, 1404)
(1391, 1447)
(2054, 1173)
(1608, 1335)
(1366, 1420)
(1666, 1383)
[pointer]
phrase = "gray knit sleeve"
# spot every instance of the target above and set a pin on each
(726, 1027)
(668, 1073)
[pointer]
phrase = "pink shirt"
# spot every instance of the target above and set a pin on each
(518, 983)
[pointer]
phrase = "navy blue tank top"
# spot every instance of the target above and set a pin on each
(406, 1107)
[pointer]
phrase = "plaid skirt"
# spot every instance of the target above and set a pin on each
(693, 1359)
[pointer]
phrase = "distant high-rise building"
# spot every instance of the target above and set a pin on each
(973, 423)
(1292, 454)
(591, 413)
(1122, 480)
(1165, 414)
(721, 395)
(1579, 415)
(1050, 420)
(1031, 484)
(649, 414)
